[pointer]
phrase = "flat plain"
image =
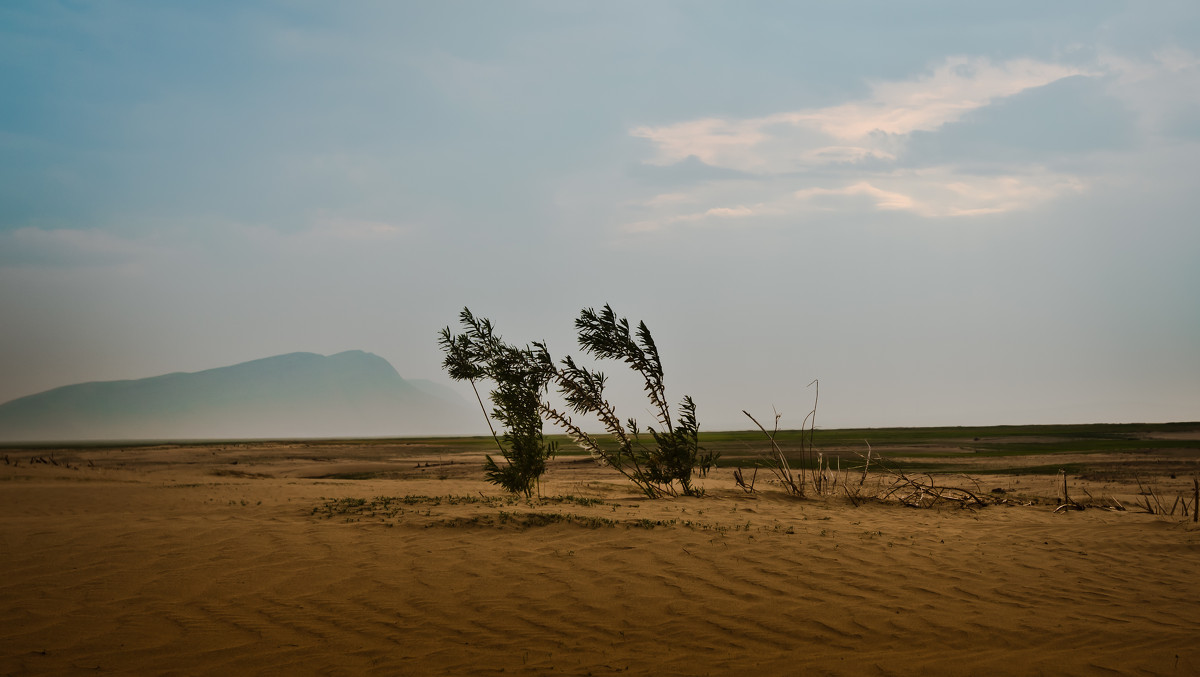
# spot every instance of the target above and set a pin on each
(396, 557)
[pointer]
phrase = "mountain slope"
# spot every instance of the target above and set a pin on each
(296, 395)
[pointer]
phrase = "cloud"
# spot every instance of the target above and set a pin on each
(848, 133)
(881, 198)
(740, 210)
(959, 85)
(712, 214)
(944, 192)
(354, 230)
(938, 192)
(968, 137)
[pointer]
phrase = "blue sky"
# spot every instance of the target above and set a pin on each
(949, 213)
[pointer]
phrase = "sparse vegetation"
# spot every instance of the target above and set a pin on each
(505, 512)
(776, 461)
(662, 465)
(819, 475)
(922, 490)
(479, 353)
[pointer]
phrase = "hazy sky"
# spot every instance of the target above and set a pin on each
(949, 213)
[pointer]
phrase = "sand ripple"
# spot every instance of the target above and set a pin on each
(217, 577)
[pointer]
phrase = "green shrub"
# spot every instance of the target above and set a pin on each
(519, 378)
(661, 465)
(675, 452)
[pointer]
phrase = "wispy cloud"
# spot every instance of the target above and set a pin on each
(941, 192)
(855, 130)
(956, 87)
(881, 198)
(710, 214)
(932, 192)
(354, 230)
(847, 157)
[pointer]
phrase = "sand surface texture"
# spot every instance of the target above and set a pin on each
(175, 560)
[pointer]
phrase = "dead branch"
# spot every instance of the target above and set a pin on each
(741, 481)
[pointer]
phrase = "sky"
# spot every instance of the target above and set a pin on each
(946, 213)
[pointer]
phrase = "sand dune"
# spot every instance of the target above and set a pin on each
(161, 567)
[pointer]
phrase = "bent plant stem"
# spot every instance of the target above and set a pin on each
(586, 442)
(591, 398)
(480, 353)
(486, 417)
(779, 463)
(672, 457)
(811, 420)
(866, 465)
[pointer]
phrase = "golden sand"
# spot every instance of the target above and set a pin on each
(175, 561)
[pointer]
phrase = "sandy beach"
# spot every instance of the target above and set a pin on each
(213, 559)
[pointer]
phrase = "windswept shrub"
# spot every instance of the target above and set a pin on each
(520, 379)
(666, 464)
(660, 461)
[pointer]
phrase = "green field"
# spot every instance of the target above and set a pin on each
(1027, 449)
(1032, 449)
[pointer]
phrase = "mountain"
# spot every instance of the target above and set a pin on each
(296, 395)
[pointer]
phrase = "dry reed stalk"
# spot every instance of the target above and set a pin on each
(856, 496)
(615, 460)
(806, 451)
(819, 477)
(866, 465)
(740, 480)
(1161, 509)
(778, 461)
(486, 417)
(1067, 502)
(1144, 501)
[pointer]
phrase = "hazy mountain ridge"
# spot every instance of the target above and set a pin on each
(353, 393)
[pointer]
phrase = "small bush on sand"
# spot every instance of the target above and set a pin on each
(661, 465)
(478, 354)
(665, 465)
